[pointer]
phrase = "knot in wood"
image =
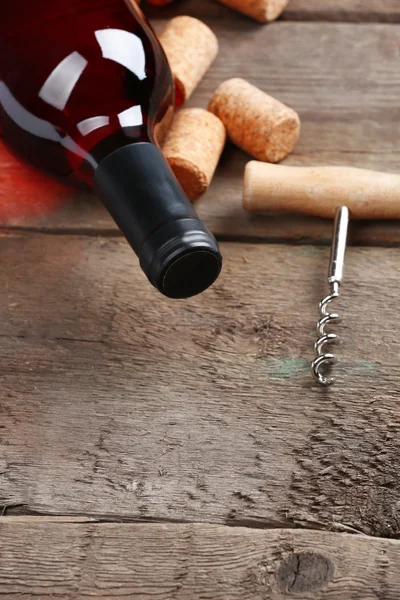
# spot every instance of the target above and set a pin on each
(304, 572)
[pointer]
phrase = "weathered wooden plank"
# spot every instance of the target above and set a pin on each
(344, 10)
(343, 79)
(80, 560)
(116, 401)
(299, 10)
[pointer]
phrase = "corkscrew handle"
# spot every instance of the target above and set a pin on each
(320, 190)
(339, 244)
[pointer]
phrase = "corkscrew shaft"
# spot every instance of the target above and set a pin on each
(341, 227)
(335, 277)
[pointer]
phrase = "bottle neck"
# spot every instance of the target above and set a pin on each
(177, 252)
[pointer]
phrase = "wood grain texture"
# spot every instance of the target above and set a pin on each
(116, 401)
(344, 10)
(63, 559)
(299, 10)
(343, 80)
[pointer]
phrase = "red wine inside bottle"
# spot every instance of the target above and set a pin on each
(86, 94)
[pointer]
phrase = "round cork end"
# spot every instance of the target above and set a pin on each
(192, 180)
(256, 122)
(263, 11)
(272, 10)
(281, 140)
(193, 148)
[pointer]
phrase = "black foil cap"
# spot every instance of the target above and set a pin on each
(177, 252)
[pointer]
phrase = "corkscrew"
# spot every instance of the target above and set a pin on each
(335, 277)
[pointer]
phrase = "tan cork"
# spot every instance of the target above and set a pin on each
(320, 190)
(256, 122)
(191, 47)
(260, 10)
(193, 148)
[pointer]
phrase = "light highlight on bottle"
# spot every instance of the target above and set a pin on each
(131, 117)
(124, 48)
(60, 84)
(88, 125)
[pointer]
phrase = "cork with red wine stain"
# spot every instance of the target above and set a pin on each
(191, 47)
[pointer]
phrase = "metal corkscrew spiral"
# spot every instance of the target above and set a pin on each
(335, 277)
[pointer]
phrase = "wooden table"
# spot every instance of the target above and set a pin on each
(179, 450)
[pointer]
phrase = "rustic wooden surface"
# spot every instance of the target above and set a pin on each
(118, 402)
(345, 90)
(301, 10)
(185, 561)
(126, 418)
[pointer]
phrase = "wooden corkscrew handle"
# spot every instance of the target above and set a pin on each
(320, 190)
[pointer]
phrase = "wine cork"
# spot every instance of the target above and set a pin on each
(256, 122)
(260, 10)
(191, 47)
(193, 149)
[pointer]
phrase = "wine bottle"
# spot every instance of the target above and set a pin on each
(86, 93)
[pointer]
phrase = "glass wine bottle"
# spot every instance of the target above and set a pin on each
(86, 94)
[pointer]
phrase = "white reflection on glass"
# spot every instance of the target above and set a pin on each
(131, 117)
(59, 85)
(24, 119)
(124, 48)
(88, 125)
(38, 127)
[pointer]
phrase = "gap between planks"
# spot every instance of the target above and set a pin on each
(372, 234)
(21, 513)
